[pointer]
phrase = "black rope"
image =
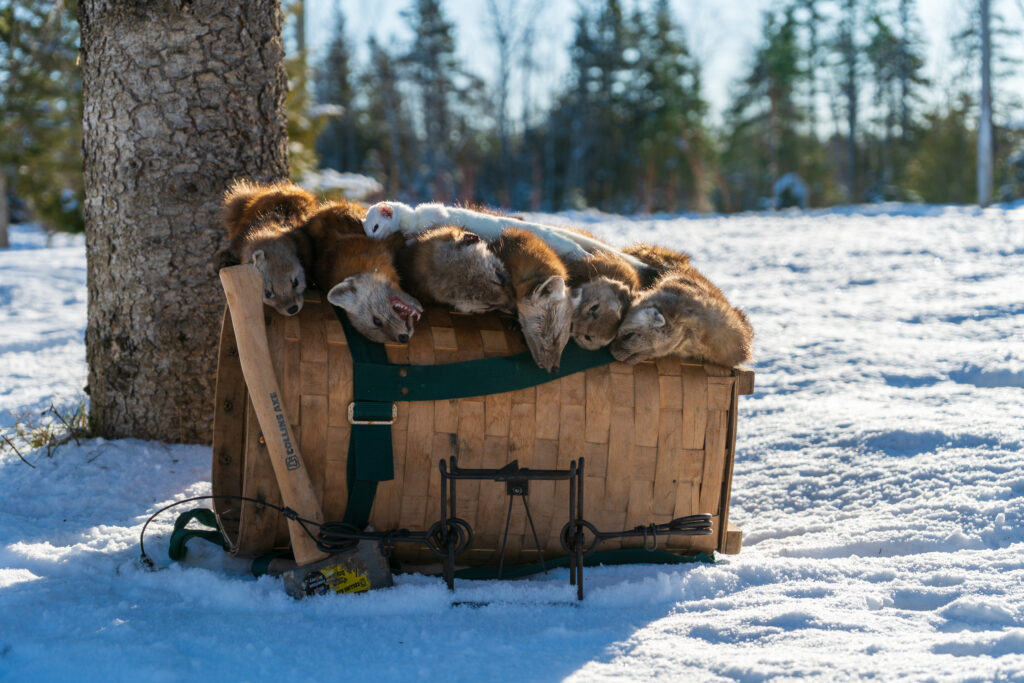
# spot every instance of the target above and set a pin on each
(286, 511)
(338, 537)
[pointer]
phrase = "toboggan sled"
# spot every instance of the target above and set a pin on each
(658, 438)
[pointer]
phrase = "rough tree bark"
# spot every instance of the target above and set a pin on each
(180, 97)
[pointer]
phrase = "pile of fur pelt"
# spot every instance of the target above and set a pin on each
(378, 264)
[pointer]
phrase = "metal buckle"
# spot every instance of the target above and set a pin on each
(354, 421)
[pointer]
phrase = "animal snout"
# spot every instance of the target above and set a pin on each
(403, 338)
(554, 369)
(293, 309)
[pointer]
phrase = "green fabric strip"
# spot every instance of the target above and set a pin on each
(608, 557)
(377, 383)
(261, 564)
(181, 535)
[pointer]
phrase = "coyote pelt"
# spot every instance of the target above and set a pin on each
(543, 306)
(452, 266)
(263, 221)
(684, 315)
(358, 273)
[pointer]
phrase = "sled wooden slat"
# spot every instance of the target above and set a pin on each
(658, 440)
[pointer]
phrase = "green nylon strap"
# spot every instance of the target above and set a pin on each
(607, 557)
(377, 383)
(177, 548)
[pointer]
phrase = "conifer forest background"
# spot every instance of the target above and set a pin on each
(834, 106)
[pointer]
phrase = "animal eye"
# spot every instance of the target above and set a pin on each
(593, 309)
(587, 337)
(268, 294)
(295, 283)
(377, 322)
(375, 226)
(628, 335)
(501, 278)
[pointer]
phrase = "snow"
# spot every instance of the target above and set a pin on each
(878, 484)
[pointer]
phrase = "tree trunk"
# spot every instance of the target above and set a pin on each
(180, 97)
(5, 217)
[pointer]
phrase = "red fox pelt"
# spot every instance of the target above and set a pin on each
(263, 222)
(684, 315)
(543, 306)
(452, 266)
(358, 273)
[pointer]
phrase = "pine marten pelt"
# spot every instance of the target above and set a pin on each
(660, 260)
(684, 315)
(452, 266)
(358, 273)
(263, 223)
(543, 306)
(602, 287)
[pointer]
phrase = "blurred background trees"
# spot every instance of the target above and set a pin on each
(831, 106)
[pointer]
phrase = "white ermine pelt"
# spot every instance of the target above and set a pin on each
(385, 218)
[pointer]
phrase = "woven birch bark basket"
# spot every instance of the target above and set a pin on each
(658, 441)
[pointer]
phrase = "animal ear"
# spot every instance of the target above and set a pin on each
(654, 317)
(576, 296)
(386, 211)
(343, 294)
(259, 258)
(553, 288)
(469, 238)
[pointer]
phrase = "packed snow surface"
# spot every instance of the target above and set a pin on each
(878, 484)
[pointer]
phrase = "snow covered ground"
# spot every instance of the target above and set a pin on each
(878, 483)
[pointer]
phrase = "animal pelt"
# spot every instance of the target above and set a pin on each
(452, 266)
(358, 273)
(543, 306)
(684, 315)
(601, 289)
(263, 224)
(660, 260)
(384, 218)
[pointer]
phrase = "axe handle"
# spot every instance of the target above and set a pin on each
(243, 286)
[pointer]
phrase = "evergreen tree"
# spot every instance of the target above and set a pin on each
(896, 63)
(41, 109)
(385, 126)
(673, 147)
(304, 122)
(336, 144)
(763, 140)
(846, 47)
(433, 68)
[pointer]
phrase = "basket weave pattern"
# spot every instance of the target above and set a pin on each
(658, 439)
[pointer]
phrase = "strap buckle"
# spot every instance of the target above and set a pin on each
(352, 419)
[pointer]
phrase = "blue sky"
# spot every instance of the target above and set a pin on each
(722, 33)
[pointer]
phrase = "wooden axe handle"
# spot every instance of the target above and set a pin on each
(243, 286)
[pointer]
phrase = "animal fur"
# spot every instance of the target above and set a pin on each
(384, 218)
(684, 315)
(263, 224)
(452, 266)
(358, 274)
(602, 288)
(543, 306)
(660, 260)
